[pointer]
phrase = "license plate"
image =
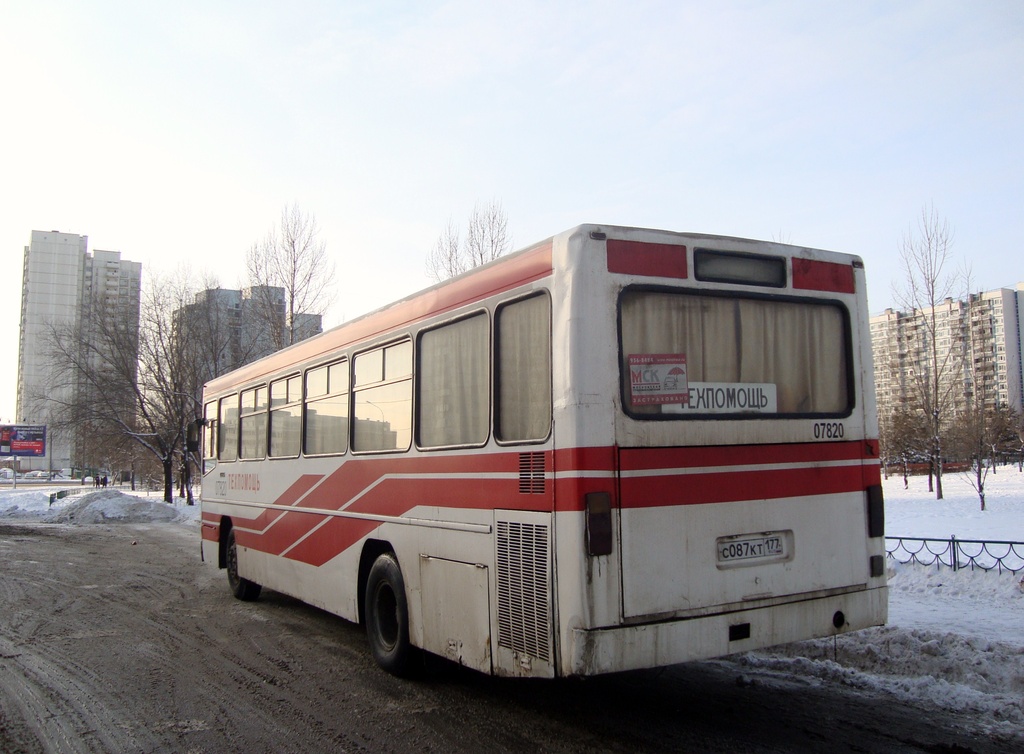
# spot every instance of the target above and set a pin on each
(747, 549)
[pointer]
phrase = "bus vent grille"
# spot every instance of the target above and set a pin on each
(524, 621)
(531, 473)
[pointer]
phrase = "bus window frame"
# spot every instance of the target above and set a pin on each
(209, 430)
(496, 376)
(851, 393)
(220, 426)
(326, 365)
(255, 411)
(394, 339)
(271, 408)
(491, 391)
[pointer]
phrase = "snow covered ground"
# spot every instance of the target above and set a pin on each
(955, 639)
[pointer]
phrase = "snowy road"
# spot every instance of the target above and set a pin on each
(116, 638)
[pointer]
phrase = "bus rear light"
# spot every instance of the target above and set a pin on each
(815, 275)
(647, 259)
(876, 511)
(598, 507)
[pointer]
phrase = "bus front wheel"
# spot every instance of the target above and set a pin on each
(387, 616)
(243, 589)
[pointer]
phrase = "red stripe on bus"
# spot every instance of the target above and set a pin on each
(724, 484)
(301, 486)
(393, 487)
(648, 259)
(585, 459)
(814, 275)
(733, 486)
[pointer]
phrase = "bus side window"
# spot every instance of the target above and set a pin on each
(326, 426)
(383, 399)
(210, 430)
(523, 370)
(227, 437)
(253, 426)
(453, 381)
(285, 417)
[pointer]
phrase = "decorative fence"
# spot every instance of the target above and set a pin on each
(60, 494)
(957, 553)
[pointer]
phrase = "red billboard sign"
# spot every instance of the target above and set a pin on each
(22, 440)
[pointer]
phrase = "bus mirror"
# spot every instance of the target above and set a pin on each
(192, 436)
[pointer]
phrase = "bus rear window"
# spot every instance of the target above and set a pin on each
(688, 355)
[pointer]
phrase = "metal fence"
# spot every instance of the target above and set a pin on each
(61, 494)
(957, 553)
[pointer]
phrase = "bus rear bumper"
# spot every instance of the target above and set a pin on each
(609, 650)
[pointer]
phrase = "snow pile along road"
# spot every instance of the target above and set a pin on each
(955, 639)
(940, 671)
(100, 507)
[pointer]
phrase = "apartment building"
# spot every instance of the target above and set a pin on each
(65, 287)
(977, 346)
(231, 328)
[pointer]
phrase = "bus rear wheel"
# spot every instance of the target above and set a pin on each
(243, 589)
(387, 616)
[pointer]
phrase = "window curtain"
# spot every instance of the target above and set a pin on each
(798, 347)
(454, 376)
(524, 370)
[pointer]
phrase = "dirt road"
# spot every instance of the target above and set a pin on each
(118, 639)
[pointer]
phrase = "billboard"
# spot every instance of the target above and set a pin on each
(22, 440)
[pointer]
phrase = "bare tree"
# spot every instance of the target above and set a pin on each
(126, 385)
(907, 438)
(925, 255)
(1018, 429)
(170, 378)
(293, 258)
(972, 434)
(985, 428)
(487, 238)
(445, 260)
(487, 234)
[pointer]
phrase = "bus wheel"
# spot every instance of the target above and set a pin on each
(387, 616)
(243, 589)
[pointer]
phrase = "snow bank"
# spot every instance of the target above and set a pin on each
(23, 504)
(955, 639)
(940, 671)
(104, 506)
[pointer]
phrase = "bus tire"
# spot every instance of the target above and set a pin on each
(243, 589)
(387, 616)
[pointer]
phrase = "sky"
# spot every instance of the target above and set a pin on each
(176, 133)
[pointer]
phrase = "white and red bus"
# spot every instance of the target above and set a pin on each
(618, 448)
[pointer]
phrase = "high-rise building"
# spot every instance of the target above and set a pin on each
(977, 342)
(67, 289)
(231, 328)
